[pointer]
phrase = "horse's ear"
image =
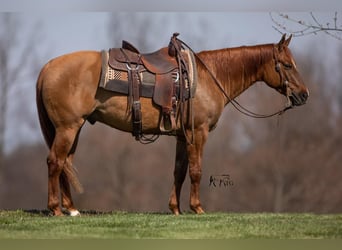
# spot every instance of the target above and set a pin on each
(288, 40)
(282, 42)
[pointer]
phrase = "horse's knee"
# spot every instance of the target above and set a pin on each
(195, 175)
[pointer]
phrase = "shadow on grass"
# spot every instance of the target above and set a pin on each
(48, 213)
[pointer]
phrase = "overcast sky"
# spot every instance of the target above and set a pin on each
(174, 5)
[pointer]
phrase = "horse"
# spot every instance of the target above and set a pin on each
(68, 95)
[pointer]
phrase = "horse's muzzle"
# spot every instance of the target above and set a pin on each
(298, 99)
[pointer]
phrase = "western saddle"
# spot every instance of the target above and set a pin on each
(162, 75)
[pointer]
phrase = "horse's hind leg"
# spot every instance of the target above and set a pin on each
(181, 167)
(57, 160)
(67, 202)
(64, 180)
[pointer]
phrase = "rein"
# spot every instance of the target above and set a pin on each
(235, 103)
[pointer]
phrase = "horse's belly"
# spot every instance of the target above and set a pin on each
(116, 113)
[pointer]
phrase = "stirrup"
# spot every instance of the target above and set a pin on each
(167, 123)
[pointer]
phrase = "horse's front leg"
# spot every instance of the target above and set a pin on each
(181, 167)
(195, 153)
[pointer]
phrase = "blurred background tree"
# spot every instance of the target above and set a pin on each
(16, 63)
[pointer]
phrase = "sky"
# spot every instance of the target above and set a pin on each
(175, 5)
(64, 31)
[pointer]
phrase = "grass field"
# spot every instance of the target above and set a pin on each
(121, 225)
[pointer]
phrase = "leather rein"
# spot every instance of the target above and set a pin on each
(283, 80)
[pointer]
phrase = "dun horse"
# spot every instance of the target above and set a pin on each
(68, 95)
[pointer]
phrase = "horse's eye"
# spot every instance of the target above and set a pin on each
(288, 65)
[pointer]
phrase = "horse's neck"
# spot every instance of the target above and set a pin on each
(238, 68)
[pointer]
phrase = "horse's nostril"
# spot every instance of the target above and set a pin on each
(304, 95)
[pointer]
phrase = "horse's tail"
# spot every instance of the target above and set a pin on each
(49, 132)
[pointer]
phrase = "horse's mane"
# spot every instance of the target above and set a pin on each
(235, 65)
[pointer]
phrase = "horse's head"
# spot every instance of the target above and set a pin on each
(281, 74)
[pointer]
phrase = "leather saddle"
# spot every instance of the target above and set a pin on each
(164, 67)
(158, 63)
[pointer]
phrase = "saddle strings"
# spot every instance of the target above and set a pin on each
(183, 67)
(235, 103)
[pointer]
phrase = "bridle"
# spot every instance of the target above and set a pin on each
(283, 84)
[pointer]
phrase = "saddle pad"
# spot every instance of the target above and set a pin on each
(117, 80)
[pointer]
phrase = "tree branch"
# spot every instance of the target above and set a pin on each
(303, 28)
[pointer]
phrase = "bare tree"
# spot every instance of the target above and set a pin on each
(314, 25)
(6, 40)
(13, 57)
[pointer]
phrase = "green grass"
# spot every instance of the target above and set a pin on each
(121, 225)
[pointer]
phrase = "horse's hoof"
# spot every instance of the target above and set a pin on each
(74, 213)
(56, 212)
(176, 213)
(174, 209)
(198, 210)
